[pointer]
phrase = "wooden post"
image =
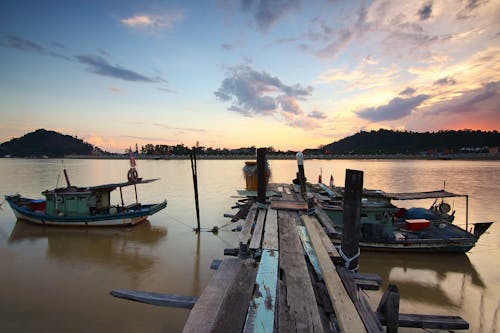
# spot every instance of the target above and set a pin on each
(261, 176)
(67, 178)
(351, 233)
(302, 177)
(194, 171)
(389, 308)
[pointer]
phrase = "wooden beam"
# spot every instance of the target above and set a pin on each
(245, 233)
(347, 315)
(298, 310)
(261, 312)
(176, 301)
(428, 321)
(270, 241)
(327, 242)
(326, 222)
(203, 315)
(257, 232)
(389, 308)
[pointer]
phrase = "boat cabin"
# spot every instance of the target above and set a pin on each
(77, 201)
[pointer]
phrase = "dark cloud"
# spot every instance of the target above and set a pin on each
(317, 115)
(446, 81)
(408, 91)
(22, 44)
(425, 12)
(397, 108)
(334, 47)
(486, 98)
(268, 12)
(57, 45)
(466, 12)
(252, 93)
(99, 65)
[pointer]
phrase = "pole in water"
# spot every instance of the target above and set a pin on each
(194, 171)
(261, 176)
(302, 177)
(351, 234)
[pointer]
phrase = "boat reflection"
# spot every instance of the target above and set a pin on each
(434, 279)
(125, 248)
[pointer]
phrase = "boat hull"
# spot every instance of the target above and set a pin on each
(118, 219)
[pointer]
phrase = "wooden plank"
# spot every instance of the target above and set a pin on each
(245, 233)
(261, 312)
(233, 311)
(257, 232)
(202, 316)
(326, 222)
(327, 242)
(429, 321)
(176, 301)
(242, 212)
(289, 204)
(308, 248)
(270, 241)
(347, 315)
(298, 310)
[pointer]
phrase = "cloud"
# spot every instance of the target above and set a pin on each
(425, 12)
(397, 108)
(165, 21)
(99, 65)
(255, 93)
(446, 81)
(19, 43)
(408, 91)
(317, 115)
(267, 12)
(485, 98)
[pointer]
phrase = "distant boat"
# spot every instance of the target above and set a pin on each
(84, 206)
(386, 227)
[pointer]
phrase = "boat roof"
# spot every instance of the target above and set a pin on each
(103, 187)
(422, 195)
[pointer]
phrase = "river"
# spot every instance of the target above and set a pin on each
(59, 279)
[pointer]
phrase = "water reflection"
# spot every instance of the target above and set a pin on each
(125, 248)
(434, 279)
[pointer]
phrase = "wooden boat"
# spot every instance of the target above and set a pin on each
(386, 227)
(84, 206)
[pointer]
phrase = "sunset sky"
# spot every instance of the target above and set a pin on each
(290, 74)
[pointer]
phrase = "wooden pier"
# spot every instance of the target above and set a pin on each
(288, 277)
(284, 274)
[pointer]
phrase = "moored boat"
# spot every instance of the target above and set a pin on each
(387, 227)
(85, 206)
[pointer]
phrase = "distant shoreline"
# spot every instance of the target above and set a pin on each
(455, 157)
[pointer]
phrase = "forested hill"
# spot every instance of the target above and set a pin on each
(46, 143)
(402, 142)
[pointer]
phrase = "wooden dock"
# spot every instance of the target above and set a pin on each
(288, 277)
(285, 275)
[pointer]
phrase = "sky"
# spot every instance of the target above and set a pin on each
(289, 74)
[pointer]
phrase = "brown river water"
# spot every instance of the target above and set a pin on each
(56, 279)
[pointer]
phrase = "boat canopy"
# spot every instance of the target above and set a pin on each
(111, 187)
(422, 195)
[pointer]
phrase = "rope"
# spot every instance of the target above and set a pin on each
(349, 260)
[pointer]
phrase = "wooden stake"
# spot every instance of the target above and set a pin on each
(351, 232)
(261, 175)
(195, 184)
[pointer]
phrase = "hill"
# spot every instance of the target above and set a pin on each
(46, 143)
(403, 142)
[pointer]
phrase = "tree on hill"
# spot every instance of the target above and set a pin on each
(403, 142)
(46, 143)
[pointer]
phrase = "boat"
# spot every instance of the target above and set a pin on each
(386, 227)
(85, 206)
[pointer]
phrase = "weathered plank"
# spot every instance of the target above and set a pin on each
(326, 222)
(242, 212)
(245, 233)
(176, 301)
(261, 312)
(233, 311)
(257, 232)
(298, 311)
(289, 204)
(429, 321)
(347, 315)
(309, 250)
(271, 231)
(203, 315)
(327, 242)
